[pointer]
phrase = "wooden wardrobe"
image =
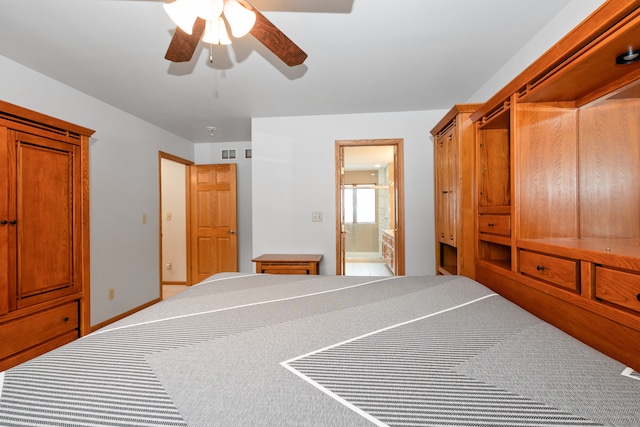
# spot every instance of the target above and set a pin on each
(558, 165)
(44, 233)
(454, 161)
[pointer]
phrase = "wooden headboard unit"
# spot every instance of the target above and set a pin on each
(558, 159)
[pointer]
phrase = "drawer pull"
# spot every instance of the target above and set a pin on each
(65, 319)
(490, 224)
(540, 267)
(638, 297)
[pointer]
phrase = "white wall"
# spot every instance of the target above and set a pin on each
(294, 175)
(123, 186)
(211, 153)
(568, 18)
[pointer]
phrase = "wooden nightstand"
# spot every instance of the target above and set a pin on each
(288, 264)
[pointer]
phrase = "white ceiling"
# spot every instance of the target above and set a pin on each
(364, 56)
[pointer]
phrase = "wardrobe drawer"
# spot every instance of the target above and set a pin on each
(559, 271)
(495, 224)
(618, 287)
(25, 332)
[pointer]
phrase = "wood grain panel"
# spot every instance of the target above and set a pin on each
(559, 271)
(446, 187)
(206, 257)
(618, 287)
(226, 245)
(494, 224)
(610, 170)
(223, 216)
(45, 208)
(222, 175)
(205, 208)
(5, 230)
(494, 167)
(29, 331)
(546, 153)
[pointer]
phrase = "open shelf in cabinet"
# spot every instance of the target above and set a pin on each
(448, 259)
(496, 254)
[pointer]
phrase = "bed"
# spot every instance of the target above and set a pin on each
(277, 350)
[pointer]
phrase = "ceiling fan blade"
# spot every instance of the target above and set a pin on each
(275, 40)
(183, 45)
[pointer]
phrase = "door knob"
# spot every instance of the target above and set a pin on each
(232, 231)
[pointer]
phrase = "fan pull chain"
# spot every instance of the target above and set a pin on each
(211, 53)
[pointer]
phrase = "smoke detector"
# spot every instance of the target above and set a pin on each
(211, 129)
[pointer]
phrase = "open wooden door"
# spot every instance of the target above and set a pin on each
(214, 241)
(340, 244)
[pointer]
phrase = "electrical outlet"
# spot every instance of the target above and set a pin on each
(316, 216)
(112, 294)
(168, 216)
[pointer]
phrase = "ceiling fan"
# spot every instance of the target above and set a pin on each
(208, 20)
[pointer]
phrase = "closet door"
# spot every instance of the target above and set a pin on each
(46, 175)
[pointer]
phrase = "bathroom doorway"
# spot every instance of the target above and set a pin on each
(369, 206)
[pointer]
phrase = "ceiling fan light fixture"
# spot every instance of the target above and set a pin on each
(182, 13)
(216, 32)
(241, 20)
(209, 9)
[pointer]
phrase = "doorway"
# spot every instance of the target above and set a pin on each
(369, 207)
(198, 221)
(175, 254)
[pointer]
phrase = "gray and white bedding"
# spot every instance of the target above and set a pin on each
(276, 350)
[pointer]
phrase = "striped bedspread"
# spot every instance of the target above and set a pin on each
(275, 350)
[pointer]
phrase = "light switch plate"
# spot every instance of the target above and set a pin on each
(316, 216)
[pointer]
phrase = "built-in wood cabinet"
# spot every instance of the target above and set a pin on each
(44, 233)
(558, 185)
(454, 157)
(389, 249)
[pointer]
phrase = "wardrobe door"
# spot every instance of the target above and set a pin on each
(46, 175)
(5, 230)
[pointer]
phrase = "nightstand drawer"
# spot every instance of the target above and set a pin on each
(558, 271)
(494, 224)
(618, 287)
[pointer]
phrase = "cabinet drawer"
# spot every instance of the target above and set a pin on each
(618, 287)
(559, 271)
(28, 331)
(495, 224)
